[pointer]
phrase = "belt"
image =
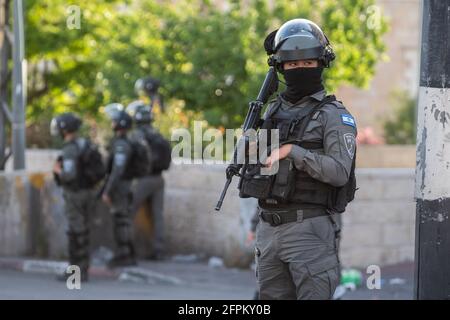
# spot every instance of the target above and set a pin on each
(281, 217)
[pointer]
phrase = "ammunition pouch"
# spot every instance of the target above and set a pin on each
(284, 182)
(279, 186)
(253, 184)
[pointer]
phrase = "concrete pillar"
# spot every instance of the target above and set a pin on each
(432, 257)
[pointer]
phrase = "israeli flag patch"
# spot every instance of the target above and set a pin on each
(348, 120)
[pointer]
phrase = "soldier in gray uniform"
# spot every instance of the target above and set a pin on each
(150, 188)
(117, 193)
(296, 238)
(78, 175)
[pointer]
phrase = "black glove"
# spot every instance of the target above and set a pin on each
(232, 170)
(56, 179)
(56, 176)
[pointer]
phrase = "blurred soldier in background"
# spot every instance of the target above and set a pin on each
(150, 188)
(78, 169)
(126, 161)
(149, 87)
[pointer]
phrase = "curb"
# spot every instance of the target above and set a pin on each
(134, 274)
(137, 274)
(11, 264)
(50, 267)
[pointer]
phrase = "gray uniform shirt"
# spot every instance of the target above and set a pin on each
(70, 154)
(141, 134)
(120, 153)
(333, 125)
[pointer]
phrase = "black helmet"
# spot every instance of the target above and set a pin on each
(301, 39)
(121, 120)
(140, 112)
(148, 86)
(66, 122)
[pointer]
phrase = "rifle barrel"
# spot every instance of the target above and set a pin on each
(268, 87)
(222, 196)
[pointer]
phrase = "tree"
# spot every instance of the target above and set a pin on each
(216, 61)
(210, 58)
(91, 66)
(401, 127)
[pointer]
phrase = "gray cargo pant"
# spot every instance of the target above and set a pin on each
(150, 189)
(297, 260)
(79, 206)
(122, 220)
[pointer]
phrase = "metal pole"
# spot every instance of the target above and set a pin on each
(432, 260)
(19, 87)
(4, 57)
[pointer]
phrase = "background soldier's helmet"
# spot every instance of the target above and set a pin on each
(120, 119)
(299, 39)
(66, 122)
(146, 86)
(140, 112)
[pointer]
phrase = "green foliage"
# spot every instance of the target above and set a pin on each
(401, 128)
(93, 65)
(211, 58)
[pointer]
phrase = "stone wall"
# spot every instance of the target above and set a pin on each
(386, 156)
(378, 227)
(369, 156)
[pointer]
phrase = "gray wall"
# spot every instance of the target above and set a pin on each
(378, 226)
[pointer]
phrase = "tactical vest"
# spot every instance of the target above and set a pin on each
(290, 188)
(137, 165)
(89, 166)
(161, 151)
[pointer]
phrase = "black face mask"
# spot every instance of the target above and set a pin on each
(301, 82)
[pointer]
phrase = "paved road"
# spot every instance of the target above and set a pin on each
(175, 280)
(198, 281)
(397, 283)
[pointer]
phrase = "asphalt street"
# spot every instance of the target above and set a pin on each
(175, 280)
(170, 281)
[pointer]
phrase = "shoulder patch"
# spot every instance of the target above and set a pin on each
(119, 159)
(350, 144)
(348, 120)
(68, 165)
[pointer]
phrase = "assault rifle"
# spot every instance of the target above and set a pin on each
(252, 121)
